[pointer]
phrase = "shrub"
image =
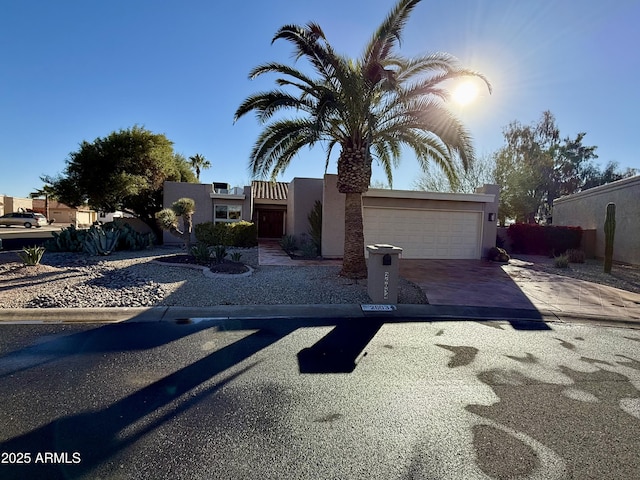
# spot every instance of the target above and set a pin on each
(561, 262)
(543, 239)
(497, 254)
(309, 250)
(211, 233)
(288, 243)
(575, 256)
(219, 252)
(236, 234)
(201, 253)
(236, 256)
(242, 234)
(31, 255)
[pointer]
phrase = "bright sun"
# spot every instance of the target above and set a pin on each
(465, 93)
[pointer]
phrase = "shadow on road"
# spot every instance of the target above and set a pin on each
(100, 435)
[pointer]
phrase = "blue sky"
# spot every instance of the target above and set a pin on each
(74, 70)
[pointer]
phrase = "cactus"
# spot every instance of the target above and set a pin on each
(101, 241)
(609, 234)
(69, 239)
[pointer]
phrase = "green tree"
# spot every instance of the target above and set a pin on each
(594, 177)
(198, 162)
(535, 166)
(123, 171)
(524, 166)
(368, 107)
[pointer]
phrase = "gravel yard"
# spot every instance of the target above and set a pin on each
(136, 279)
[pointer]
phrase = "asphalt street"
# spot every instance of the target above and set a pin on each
(319, 398)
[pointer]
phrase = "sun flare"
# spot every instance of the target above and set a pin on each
(465, 93)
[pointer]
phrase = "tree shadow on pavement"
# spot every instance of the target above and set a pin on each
(556, 431)
(98, 435)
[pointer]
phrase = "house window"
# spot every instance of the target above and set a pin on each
(228, 213)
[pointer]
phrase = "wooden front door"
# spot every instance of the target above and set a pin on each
(270, 223)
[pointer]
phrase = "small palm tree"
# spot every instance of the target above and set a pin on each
(369, 107)
(48, 192)
(198, 162)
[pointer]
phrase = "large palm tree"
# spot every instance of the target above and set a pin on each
(198, 162)
(369, 107)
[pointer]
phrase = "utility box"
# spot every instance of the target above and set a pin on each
(383, 267)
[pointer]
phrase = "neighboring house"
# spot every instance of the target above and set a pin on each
(587, 210)
(110, 217)
(14, 204)
(63, 215)
(424, 224)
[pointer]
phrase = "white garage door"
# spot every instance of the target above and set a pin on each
(425, 233)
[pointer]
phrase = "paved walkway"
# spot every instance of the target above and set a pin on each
(516, 285)
(481, 283)
(270, 253)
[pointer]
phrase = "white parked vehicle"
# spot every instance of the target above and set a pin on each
(25, 219)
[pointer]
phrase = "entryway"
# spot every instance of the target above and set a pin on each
(271, 223)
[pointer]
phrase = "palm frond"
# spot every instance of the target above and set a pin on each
(389, 32)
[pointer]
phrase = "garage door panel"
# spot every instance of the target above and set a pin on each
(425, 233)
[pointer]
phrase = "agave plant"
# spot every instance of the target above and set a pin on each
(31, 255)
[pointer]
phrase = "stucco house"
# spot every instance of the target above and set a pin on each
(61, 213)
(425, 224)
(587, 210)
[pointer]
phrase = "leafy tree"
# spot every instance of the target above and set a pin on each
(368, 107)
(535, 167)
(524, 166)
(183, 208)
(594, 177)
(123, 171)
(466, 181)
(198, 162)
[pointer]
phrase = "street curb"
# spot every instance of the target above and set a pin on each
(402, 313)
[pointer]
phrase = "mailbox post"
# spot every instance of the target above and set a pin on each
(383, 268)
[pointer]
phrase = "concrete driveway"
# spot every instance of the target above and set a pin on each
(516, 285)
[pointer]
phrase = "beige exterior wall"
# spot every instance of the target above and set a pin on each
(485, 201)
(14, 204)
(490, 227)
(332, 218)
(206, 199)
(199, 193)
(303, 193)
(587, 210)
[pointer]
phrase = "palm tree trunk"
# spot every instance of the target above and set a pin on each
(353, 262)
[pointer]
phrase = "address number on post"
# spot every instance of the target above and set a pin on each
(378, 308)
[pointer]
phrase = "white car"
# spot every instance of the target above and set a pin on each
(26, 219)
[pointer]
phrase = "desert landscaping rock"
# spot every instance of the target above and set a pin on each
(137, 279)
